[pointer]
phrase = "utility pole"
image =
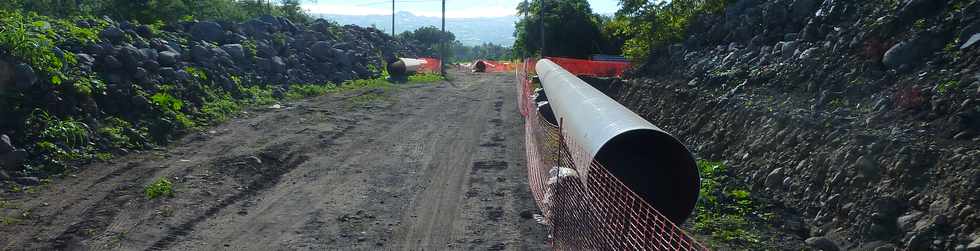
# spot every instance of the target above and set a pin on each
(442, 62)
(541, 19)
(392, 18)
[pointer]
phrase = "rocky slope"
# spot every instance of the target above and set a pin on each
(112, 87)
(861, 118)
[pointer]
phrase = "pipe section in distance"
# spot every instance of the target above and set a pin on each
(405, 66)
(654, 164)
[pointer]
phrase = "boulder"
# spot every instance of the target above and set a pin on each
(24, 75)
(200, 54)
(974, 246)
(808, 53)
(112, 34)
(343, 58)
(221, 54)
(321, 25)
(27, 181)
(822, 243)
(278, 66)
(5, 145)
(787, 49)
(774, 179)
(236, 51)
(149, 54)
(256, 28)
(6, 74)
(129, 55)
(12, 161)
(911, 52)
(207, 31)
(322, 50)
(970, 42)
(151, 65)
(111, 62)
(168, 74)
(917, 9)
(266, 50)
(139, 73)
(168, 58)
(968, 31)
(144, 31)
(804, 8)
(85, 59)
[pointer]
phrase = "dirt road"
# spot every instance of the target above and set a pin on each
(428, 167)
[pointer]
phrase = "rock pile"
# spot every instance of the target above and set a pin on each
(861, 117)
(189, 61)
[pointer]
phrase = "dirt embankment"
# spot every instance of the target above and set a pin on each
(430, 166)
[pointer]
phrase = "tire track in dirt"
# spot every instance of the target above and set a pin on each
(432, 166)
(280, 161)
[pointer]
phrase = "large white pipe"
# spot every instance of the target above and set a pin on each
(405, 66)
(654, 164)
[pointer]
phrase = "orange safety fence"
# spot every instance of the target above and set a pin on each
(582, 67)
(600, 213)
(431, 65)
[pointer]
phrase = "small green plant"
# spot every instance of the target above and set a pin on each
(251, 50)
(425, 78)
(7, 220)
(837, 103)
(67, 132)
(724, 211)
(122, 134)
(259, 95)
(952, 49)
(197, 73)
(221, 109)
(919, 25)
(160, 187)
(167, 101)
(947, 86)
(309, 90)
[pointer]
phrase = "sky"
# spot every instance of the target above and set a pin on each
(433, 8)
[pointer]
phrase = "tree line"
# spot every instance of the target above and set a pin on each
(572, 29)
(429, 39)
(167, 11)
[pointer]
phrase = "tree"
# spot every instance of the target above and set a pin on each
(489, 51)
(571, 29)
(428, 38)
(151, 11)
(648, 25)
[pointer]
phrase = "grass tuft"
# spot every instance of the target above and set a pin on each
(161, 187)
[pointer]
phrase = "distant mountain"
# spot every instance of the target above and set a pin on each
(469, 31)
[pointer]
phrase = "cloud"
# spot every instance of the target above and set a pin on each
(344, 9)
(466, 12)
(470, 12)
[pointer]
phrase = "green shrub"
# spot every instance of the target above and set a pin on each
(67, 132)
(160, 187)
(259, 95)
(655, 24)
(220, 110)
(31, 38)
(121, 134)
(167, 101)
(725, 210)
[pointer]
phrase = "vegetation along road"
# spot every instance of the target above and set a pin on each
(416, 166)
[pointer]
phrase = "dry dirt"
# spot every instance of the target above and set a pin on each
(429, 167)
